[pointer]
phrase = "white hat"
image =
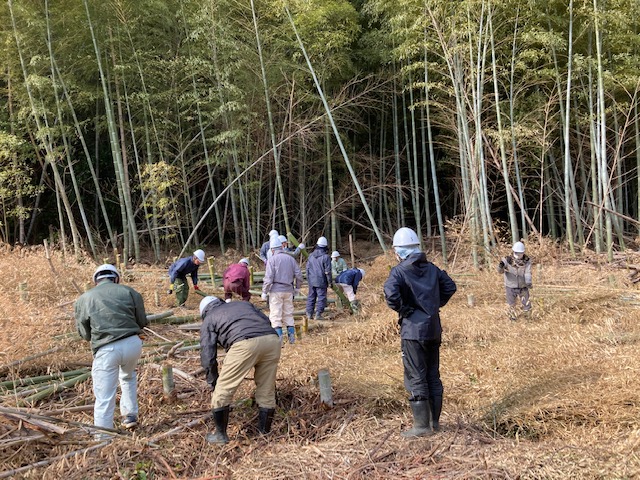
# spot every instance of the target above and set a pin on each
(275, 242)
(204, 303)
(105, 271)
(244, 260)
(405, 237)
(335, 254)
(322, 242)
(273, 233)
(199, 254)
(283, 239)
(518, 247)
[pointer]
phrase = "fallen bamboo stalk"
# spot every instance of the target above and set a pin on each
(12, 384)
(31, 357)
(48, 461)
(56, 387)
(157, 316)
(29, 413)
(175, 430)
(177, 320)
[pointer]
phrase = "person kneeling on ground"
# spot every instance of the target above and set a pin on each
(250, 342)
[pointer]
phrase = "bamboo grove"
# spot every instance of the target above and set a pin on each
(150, 125)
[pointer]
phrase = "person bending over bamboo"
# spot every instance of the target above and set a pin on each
(250, 341)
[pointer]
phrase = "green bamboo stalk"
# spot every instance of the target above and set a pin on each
(56, 387)
(12, 384)
(276, 154)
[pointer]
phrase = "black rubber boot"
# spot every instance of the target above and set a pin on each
(265, 418)
(436, 408)
(421, 410)
(221, 419)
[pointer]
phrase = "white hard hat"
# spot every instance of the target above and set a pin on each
(105, 271)
(275, 242)
(518, 247)
(322, 242)
(283, 239)
(405, 237)
(204, 303)
(244, 260)
(273, 233)
(361, 272)
(335, 254)
(199, 254)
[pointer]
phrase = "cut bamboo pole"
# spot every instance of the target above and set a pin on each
(168, 385)
(54, 388)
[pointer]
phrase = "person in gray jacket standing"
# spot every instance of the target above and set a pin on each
(517, 280)
(282, 281)
(251, 343)
(111, 316)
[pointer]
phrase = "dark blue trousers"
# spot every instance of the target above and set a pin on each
(317, 299)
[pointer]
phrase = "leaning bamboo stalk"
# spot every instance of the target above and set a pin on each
(56, 387)
(347, 162)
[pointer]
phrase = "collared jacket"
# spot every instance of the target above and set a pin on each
(338, 266)
(416, 289)
(282, 274)
(517, 273)
(264, 251)
(319, 268)
(109, 312)
(226, 324)
(183, 267)
(237, 273)
(351, 277)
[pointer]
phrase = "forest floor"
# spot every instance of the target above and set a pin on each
(553, 395)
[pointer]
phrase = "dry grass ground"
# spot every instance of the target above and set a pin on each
(554, 395)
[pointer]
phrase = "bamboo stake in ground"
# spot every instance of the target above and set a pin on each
(168, 385)
(324, 382)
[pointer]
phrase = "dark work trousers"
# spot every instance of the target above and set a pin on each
(319, 294)
(421, 360)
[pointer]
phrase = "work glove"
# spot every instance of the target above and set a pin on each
(196, 287)
(264, 296)
(301, 246)
(501, 264)
(509, 260)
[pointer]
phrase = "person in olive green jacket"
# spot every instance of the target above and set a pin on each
(111, 317)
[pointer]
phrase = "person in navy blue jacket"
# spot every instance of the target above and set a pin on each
(178, 272)
(349, 280)
(417, 289)
(319, 279)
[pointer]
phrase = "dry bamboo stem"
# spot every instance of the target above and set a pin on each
(48, 461)
(32, 357)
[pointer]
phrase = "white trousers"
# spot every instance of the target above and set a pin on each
(281, 309)
(348, 291)
(115, 362)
